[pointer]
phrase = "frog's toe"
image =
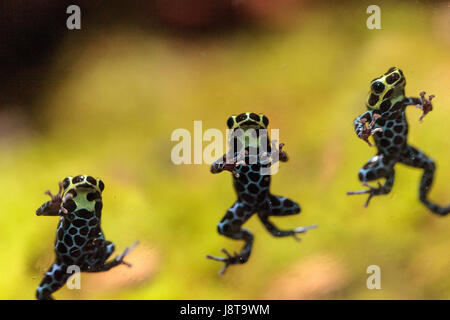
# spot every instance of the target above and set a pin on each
(366, 204)
(125, 253)
(220, 259)
(208, 256)
(298, 230)
(350, 193)
(228, 260)
(371, 191)
(304, 229)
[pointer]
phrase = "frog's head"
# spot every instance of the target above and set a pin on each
(82, 182)
(248, 120)
(248, 129)
(386, 90)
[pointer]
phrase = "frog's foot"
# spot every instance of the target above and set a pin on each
(232, 169)
(102, 256)
(368, 131)
(56, 197)
(52, 196)
(426, 106)
(119, 258)
(232, 163)
(371, 191)
(277, 154)
(52, 207)
(229, 260)
(281, 154)
(298, 230)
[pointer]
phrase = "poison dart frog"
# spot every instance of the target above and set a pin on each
(386, 121)
(249, 159)
(79, 238)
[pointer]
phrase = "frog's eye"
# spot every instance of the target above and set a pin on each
(254, 116)
(241, 117)
(91, 180)
(230, 122)
(101, 185)
(66, 182)
(265, 120)
(77, 179)
(378, 87)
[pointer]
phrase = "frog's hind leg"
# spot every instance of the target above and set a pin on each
(230, 226)
(54, 278)
(281, 206)
(417, 159)
(100, 252)
(379, 166)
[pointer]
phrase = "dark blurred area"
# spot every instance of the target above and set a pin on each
(31, 32)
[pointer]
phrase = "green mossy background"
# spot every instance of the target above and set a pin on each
(116, 95)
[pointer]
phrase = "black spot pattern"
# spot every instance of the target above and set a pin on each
(77, 179)
(72, 192)
(230, 122)
(393, 131)
(388, 94)
(392, 78)
(385, 105)
(66, 183)
(70, 205)
(265, 121)
(241, 117)
(93, 196)
(373, 99)
(91, 180)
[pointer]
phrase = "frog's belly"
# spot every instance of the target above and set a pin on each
(393, 139)
(71, 240)
(251, 187)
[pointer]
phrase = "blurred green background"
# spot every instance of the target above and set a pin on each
(111, 94)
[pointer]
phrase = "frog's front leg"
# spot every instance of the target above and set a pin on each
(54, 206)
(364, 131)
(54, 278)
(281, 206)
(228, 163)
(230, 226)
(380, 166)
(422, 103)
(100, 252)
(276, 154)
